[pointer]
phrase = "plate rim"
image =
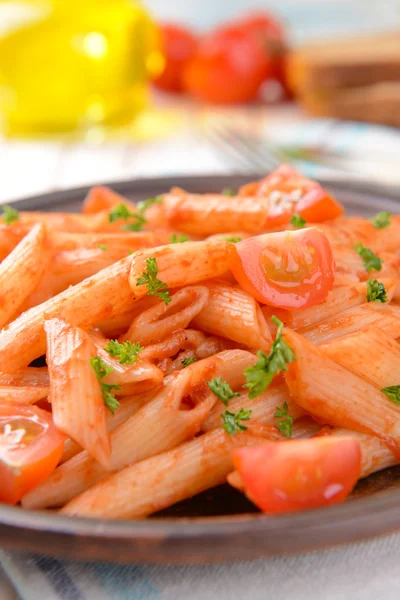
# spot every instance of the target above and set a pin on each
(141, 540)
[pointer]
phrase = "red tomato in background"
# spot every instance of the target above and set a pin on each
(179, 46)
(30, 449)
(287, 269)
(229, 67)
(289, 192)
(282, 477)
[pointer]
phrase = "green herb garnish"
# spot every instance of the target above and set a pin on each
(285, 420)
(178, 238)
(376, 291)
(144, 204)
(393, 393)
(10, 214)
(122, 212)
(261, 374)
(155, 287)
(188, 361)
(234, 240)
(232, 422)
(371, 261)
(222, 389)
(228, 192)
(381, 220)
(127, 353)
(102, 247)
(102, 370)
(298, 221)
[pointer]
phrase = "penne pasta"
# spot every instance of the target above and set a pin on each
(159, 482)
(232, 313)
(102, 296)
(23, 395)
(21, 271)
(354, 319)
(355, 405)
(77, 403)
(161, 321)
(101, 198)
(181, 264)
(370, 354)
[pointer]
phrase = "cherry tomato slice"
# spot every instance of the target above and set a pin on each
(282, 477)
(289, 192)
(30, 449)
(287, 269)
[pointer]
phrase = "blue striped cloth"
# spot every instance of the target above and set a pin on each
(365, 571)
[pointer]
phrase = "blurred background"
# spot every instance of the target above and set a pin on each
(105, 90)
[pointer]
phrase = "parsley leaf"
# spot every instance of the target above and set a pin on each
(234, 240)
(102, 370)
(228, 192)
(393, 393)
(144, 204)
(122, 212)
(371, 261)
(298, 221)
(376, 291)
(127, 353)
(155, 287)
(188, 361)
(102, 247)
(261, 374)
(231, 422)
(10, 214)
(178, 238)
(381, 220)
(285, 420)
(222, 389)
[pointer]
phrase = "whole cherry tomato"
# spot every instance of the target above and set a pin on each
(179, 46)
(229, 67)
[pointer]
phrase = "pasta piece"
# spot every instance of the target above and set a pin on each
(232, 313)
(102, 296)
(10, 236)
(77, 402)
(128, 406)
(386, 317)
(23, 395)
(375, 455)
(129, 241)
(387, 239)
(213, 345)
(163, 480)
(340, 299)
(70, 222)
(207, 214)
(29, 376)
(181, 264)
(102, 198)
(262, 408)
(20, 272)
(232, 236)
(160, 321)
(370, 354)
(336, 396)
(135, 378)
(69, 268)
(175, 414)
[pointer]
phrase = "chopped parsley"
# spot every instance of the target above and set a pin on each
(261, 374)
(232, 422)
(376, 291)
(393, 393)
(298, 221)
(102, 370)
(144, 204)
(155, 287)
(127, 353)
(381, 220)
(371, 261)
(102, 247)
(234, 240)
(228, 192)
(178, 238)
(122, 212)
(285, 420)
(222, 389)
(189, 360)
(10, 214)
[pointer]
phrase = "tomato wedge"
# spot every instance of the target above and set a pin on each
(282, 477)
(289, 192)
(287, 269)
(30, 449)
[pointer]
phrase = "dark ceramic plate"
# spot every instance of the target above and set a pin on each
(218, 525)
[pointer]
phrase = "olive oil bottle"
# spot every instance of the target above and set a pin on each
(71, 64)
